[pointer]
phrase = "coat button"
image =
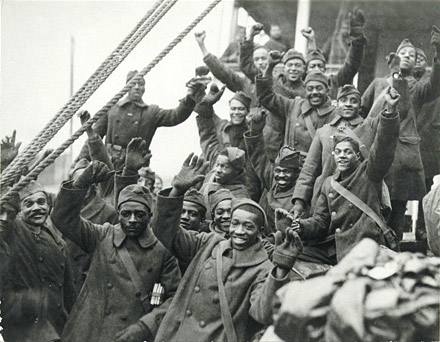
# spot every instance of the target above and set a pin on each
(36, 320)
(296, 142)
(338, 230)
(297, 124)
(62, 265)
(188, 312)
(207, 266)
(197, 289)
(331, 194)
(333, 213)
(350, 225)
(215, 300)
(230, 278)
(109, 285)
(40, 259)
(202, 324)
(59, 306)
(351, 206)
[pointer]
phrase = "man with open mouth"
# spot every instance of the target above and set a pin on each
(38, 289)
(344, 217)
(227, 289)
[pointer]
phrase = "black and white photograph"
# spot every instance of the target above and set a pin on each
(220, 171)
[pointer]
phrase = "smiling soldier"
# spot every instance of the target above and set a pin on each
(39, 289)
(230, 283)
(348, 206)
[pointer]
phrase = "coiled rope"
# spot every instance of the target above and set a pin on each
(55, 154)
(143, 27)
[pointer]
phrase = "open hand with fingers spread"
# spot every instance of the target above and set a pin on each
(84, 116)
(138, 155)
(96, 172)
(9, 149)
(192, 172)
(285, 253)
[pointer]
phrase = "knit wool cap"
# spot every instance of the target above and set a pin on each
(405, 43)
(316, 75)
(32, 188)
(218, 196)
(239, 202)
(288, 158)
(146, 172)
(242, 98)
(346, 90)
(194, 196)
(315, 54)
(421, 53)
(293, 54)
(236, 157)
(136, 193)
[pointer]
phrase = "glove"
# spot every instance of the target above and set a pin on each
(283, 220)
(285, 254)
(258, 120)
(96, 172)
(393, 61)
(357, 22)
(137, 332)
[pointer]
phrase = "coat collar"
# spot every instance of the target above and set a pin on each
(252, 256)
(146, 239)
(325, 109)
(353, 122)
(126, 100)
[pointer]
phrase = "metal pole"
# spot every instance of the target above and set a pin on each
(302, 21)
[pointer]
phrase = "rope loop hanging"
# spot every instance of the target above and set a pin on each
(56, 153)
(144, 26)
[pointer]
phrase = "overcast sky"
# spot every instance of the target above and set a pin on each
(35, 57)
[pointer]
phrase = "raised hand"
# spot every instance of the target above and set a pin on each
(192, 172)
(393, 61)
(96, 172)
(85, 116)
(357, 22)
(283, 220)
(435, 39)
(392, 98)
(258, 120)
(214, 94)
(253, 30)
(196, 87)
(200, 37)
(308, 33)
(9, 149)
(138, 155)
(299, 209)
(285, 254)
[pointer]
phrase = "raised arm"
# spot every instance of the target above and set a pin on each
(66, 212)
(246, 53)
(166, 219)
(233, 81)
(256, 150)
(384, 146)
(355, 52)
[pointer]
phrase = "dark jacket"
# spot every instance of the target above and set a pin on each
(406, 176)
(273, 197)
(39, 291)
(334, 212)
(319, 163)
(108, 302)
(297, 135)
(195, 311)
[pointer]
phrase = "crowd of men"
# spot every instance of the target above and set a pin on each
(305, 168)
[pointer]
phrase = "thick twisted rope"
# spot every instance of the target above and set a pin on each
(55, 154)
(83, 94)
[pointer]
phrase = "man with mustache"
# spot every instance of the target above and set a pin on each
(339, 222)
(406, 179)
(38, 289)
(303, 116)
(131, 118)
(230, 283)
(118, 301)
